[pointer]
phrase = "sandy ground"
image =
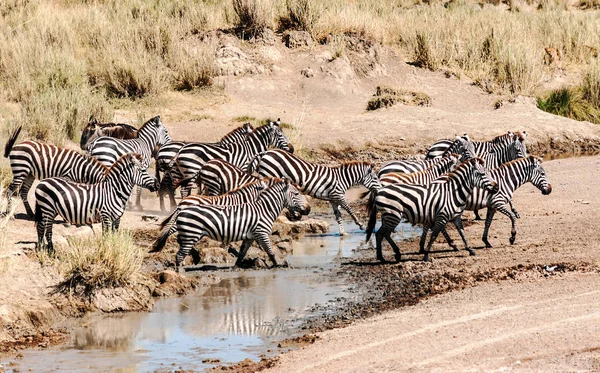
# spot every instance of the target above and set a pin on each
(529, 323)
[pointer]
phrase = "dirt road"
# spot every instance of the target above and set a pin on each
(529, 323)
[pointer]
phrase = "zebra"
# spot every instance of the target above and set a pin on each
(462, 145)
(247, 222)
(481, 147)
(192, 157)
(107, 149)
(152, 134)
(510, 176)
(84, 204)
(219, 177)
(433, 205)
(32, 160)
(244, 194)
(93, 130)
(169, 151)
(444, 165)
(322, 182)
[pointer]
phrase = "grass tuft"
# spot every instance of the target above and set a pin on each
(302, 15)
(101, 261)
(386, 97)
(252, 15)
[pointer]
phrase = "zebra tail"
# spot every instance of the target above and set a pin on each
(11, 141)
(167, 228)
(372, 212)
(364, 194)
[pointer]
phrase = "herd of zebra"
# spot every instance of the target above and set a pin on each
(251, 175)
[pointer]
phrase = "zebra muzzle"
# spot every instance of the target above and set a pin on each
(547, 190)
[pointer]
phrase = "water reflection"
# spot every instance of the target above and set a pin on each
(241, 317)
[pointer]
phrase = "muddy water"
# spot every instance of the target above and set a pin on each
(243, 316)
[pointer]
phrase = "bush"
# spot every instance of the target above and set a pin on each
(101, 261)
(301, 15)
(386, 97)
(571, 103)
(252, 15)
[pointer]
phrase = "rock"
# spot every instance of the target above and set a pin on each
(339, 69)
(297, 39)
(301, 227)
(215, 255)
(122, 299)
(308, 72)
(149, 218)
(232, 61)
(285, 246)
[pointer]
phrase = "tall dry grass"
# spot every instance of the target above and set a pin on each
(65, 60)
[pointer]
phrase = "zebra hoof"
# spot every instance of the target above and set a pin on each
(512, 240)
(426, 258)
(398, 259)
(471, 252)
(488, 245)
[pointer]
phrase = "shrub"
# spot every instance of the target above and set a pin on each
(101, 261)
(301, 15)
(591, 85)
(571, 103)
(386, 97)
(252, 15)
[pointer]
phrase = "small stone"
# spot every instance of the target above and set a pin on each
(308, 72)
(297, 39)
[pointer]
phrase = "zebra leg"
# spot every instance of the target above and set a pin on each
(265, 243)
(378, 242)
(488, 223)
(338, 216)
(115, 224)
(25, 187)
(477, 217)
(347, 207)
(512, 207)
(41, 228)
(423, 238)
(449, 240)
(513, 220)
(388, 225)
(461, 231)
(435, 231)
(243, 250)
(107, 224)
(186, 243)
(12, 188)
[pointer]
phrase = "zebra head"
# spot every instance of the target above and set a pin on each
(140, 175)
(278, 138)
(481, 176)
(463, 146)
(453, 160)
(157, 131)
(294, 200)
(369, 178)
(90, 132)
(538, 176)
(521, 150)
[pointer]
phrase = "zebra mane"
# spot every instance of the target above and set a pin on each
(232, 191)
(150, 122)
(530, 159)
(123, 159)
(245, 125)
(353, 163)
(503, 137)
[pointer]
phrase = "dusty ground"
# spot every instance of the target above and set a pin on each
(528, 317)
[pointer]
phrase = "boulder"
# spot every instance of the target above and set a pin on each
(297, 39)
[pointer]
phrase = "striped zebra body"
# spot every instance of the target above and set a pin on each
(509, 176)
(480, 147)
(462, 145)
(168, 152)
(219, 177)
(192, 157)
(444, 165)
(94, 130)
(322, 182)
(152, 134)
(503, 152)
(248, 222)
(84, 204)
(32, 160)
(245, 194)
(432, 205)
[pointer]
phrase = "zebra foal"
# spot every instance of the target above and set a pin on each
(32, 160)
(322, 182)
(432, 205)
(84, 204)
(247, 222)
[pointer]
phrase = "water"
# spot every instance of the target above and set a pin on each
(243, 316)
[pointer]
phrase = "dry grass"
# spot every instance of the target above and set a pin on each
(386, 97)
(101, 261)
(65, 60)
(579, 102)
